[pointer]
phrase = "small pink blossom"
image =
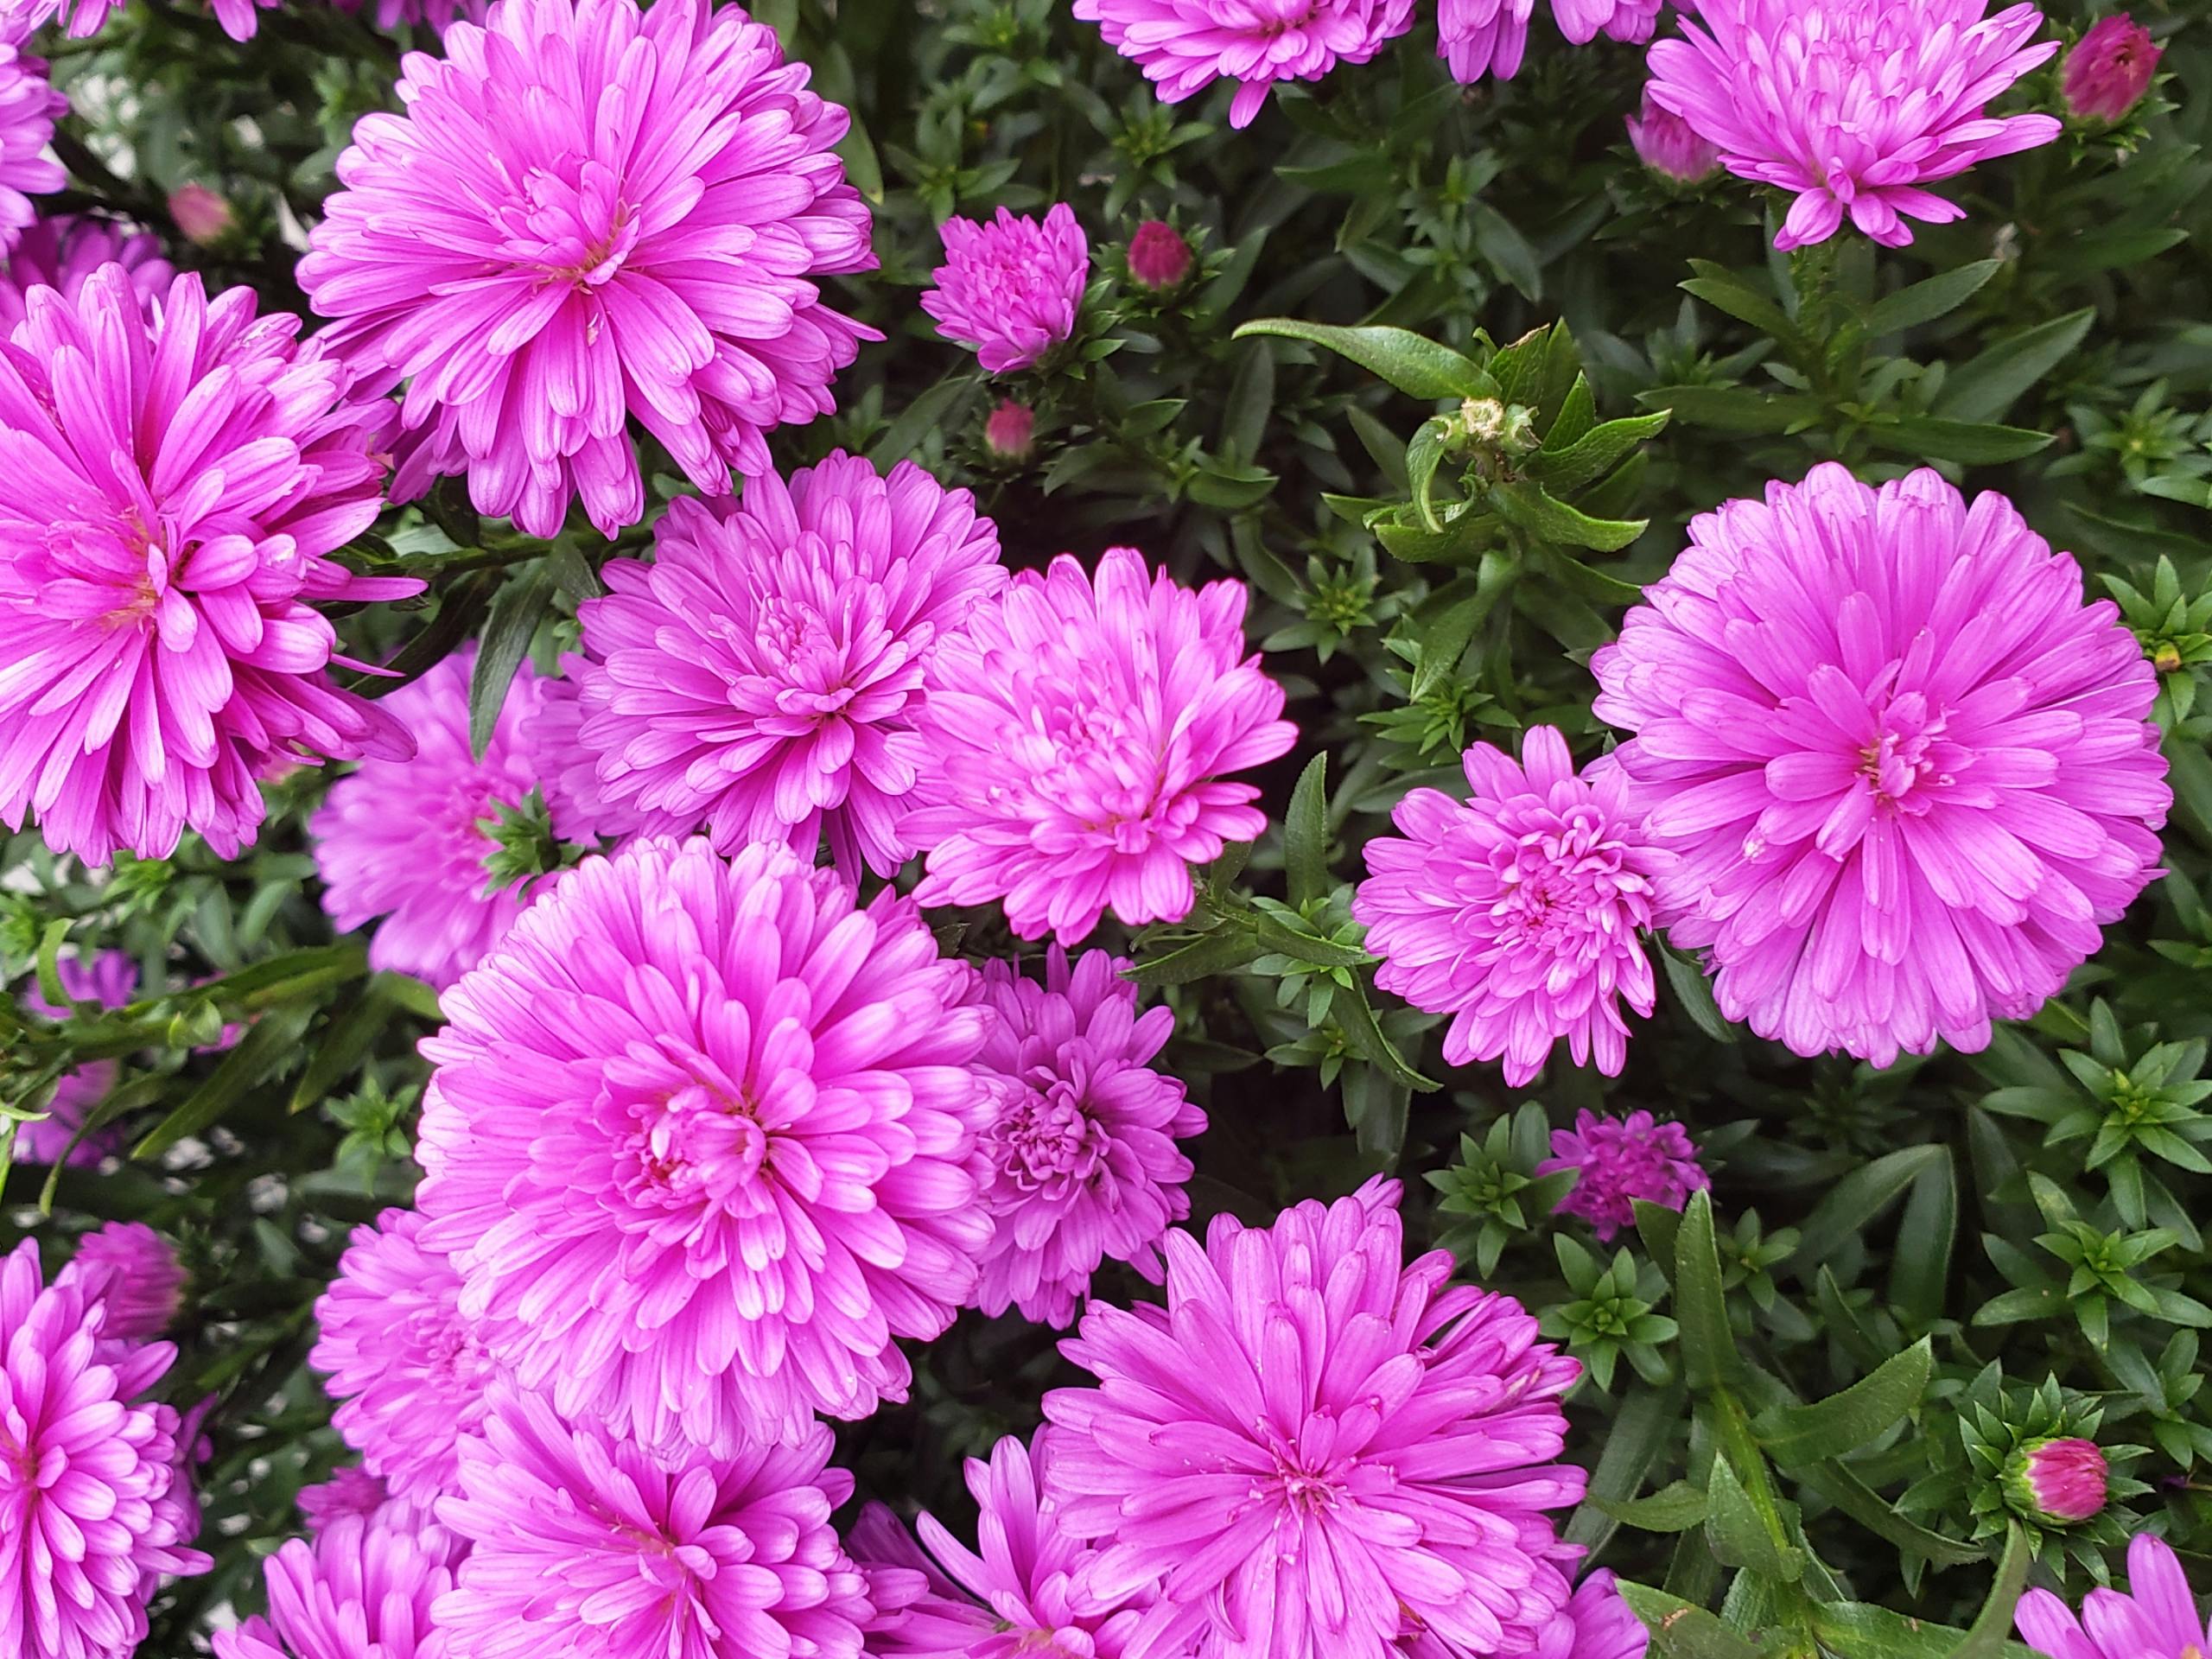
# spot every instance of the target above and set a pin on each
(2057, 1482)
(28, 108)
(1010, 288)
(1183, 45)
(132, 1272)
(61, 251)
(1668, 145)
(202, 215)
(1616, 1161)
(2109, 69)
(109, 980)
(1009, 433)
(1159, 256)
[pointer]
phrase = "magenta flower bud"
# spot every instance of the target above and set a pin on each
(203, 216)
(2109, 69)
(2056, 1482)
(1007, 433)
(132, 1272)
(1159, 256)
(1668, 145)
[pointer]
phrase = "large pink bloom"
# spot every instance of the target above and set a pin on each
(361, 1591)
(762, 677)
(2155, 1617)
(701, 1142)
(1081, 1146)
(1317, 1451)
(405, 839)
(1854, 105)
(132, 1272)
(170, 492)
(588, 214)
(1616, 1161)
(1184, 46)
(581, 1546)
(94, 1512)
(109, 979)
(1078, 734)
(1010, 288)
(1909, 772)
(1518, 912)
(28, 108)
(63, 250)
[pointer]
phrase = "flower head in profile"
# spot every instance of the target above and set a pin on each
(1517, 911)
(132, 1272)
(1316, 1450)
(1908, 773)
(1081, 1144)
(1616, 1161)
(590, 214)
(1853, 106)
(762, 679)
(735, 1108)
(1080, 731)
(94, 1513)
(568, 771)
(361, 1590)
(28, 108)
(1010, 288)
(1183, 45)
(107, 979)
(1009, 431)
(61, 251)
(1668, 145)
(2057, 1482)
(2109, 69)
(2155, 1617)
(1022, 1594)
(403, 840)
(1158, 258)
(581, 1543)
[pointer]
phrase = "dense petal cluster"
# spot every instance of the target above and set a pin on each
(2057, 1482)
(581, 1546)
(132, 1272)
(1518, 912)
(94, 1511)
(1909, 772)
(1183, 45)
(1668, 145)
(1616, 1161)
(2155, 1617)
(405, 839)
(1080, 1150)
(28, 108)
(408, 1370)
(107, 980)
(1853, 106)
(1079, 731)
(701, 1142)
(589, 215)
(360, 1591)
(1315, 1450)
(61, 251)
(1599, 1623)
(1480, 37)
(762, 678)
(170, 492)
(1010, 288)
(568, 771)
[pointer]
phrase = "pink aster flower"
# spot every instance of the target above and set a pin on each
(405, 839)
(1158, 258)
(28, 108)
(1081, 1148)
(2155, 1617)
(2057, 1482)
(589, 215)
(1784, 88)
(1009, 432)
(170, 492)
(1517, 912)
(1079, 731)
(352, 1491)
(62, 250)
(701, 1142)
(580, 1543)
(91, 1520)
(1617, 1161)
(109, 979)
(1668, 145)
(408, 1369)
(762, 677)
(1318, 1450)
(1183, 45)
(1023, 1592)
(360, 1591)
(1010, 288)
(2109, 69)
(1909, 773)
(1597, 1623)
(132, 1272)
(568, 771)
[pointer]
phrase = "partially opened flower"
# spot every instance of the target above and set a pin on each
(1853, 106)
(1079, 734)
(61, 251)
(2155, 1617)
(1316, 1450)
(132, 1272)
(542, 271)
(2109, 69)
(360, 1591)
(1183, 45)
(28, 108)
(1668, 145)
(762, 679)
(1010, 288)
(1908, 773)
(108, 980)
(701, 1142)
(2057, 1482)
(1616, 1161)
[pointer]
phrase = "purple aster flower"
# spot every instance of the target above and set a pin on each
(2109, 69)
(702, 1141)
(1909, 772)
(1010, 288)
(92, 1518)
(1023, 1593)
(132, 1272)
(582, 1544)
(28, 108)
(1080, 1147)
(158, 651)
(1668, 145)
(360, 1591)
(762, 677)
(1078, 734)
(1183, 45)
(1617, 1161)
(589, 215)
(109, 979)
(405, 839)
(406, 1366)
(1315, 1450)
(2155, 1617)
(1783, 88)
(62, 250)
(1517, 912)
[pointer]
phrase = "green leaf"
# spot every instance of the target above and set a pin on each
(1739, 409)
(1855, 1629)
(1709, 1355)
(1418, 367)
(1924, 302)
(281, 978)
(49, 966)
(1308, 947)
(1221, 951)
(1986, 387)
(1841, 1487)
(1659, 1228)
(507, 633)
(1596, 453)
(1921, 1265)
(941, 407)
(344, 1045)
(1251, 397)
(1641, 1433)
(1694, 992)
(1739, 1535)
(270, 1044)
(572, 572)
(1443, 638)
(1724, 290)
(1676, 1508)
(1967, 443)
(1499, 242)
(1533, 508)
(1305, 834)
(1856, 1200)
(1423, 455)
(458, 614)
(1683, 1629)
(1352, 1010)
(1855, 1417)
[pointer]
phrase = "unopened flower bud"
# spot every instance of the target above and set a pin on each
(2056, 1482)
(2109, 70)
(1159, 256)
(1007, 433)
(1489, 423)
(2167, 658)
(1668, 145)
(203, 216)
